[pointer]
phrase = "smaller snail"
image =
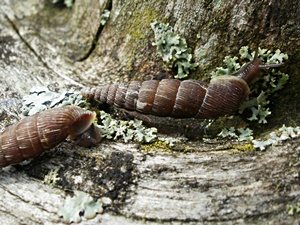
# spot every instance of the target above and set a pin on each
(40, 132)
(183, 99)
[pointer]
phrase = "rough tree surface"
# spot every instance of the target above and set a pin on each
(197, 183)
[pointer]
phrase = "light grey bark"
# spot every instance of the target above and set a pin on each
(195, 183)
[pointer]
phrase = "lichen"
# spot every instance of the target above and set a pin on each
(277, 137)
(105, 17)
(52, 177)
(243, 134)
(173, 49)
(81, 205)
(42, 98)
(67, 3)
(125, 130)
(293, 209)
(267, 85)
(172, 141)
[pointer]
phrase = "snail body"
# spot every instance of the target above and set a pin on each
(40, 132)
(182, 99)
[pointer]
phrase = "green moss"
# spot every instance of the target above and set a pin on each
(167, 144)
(138, 30)
(245, 148)
(139, 23)
(156, 146)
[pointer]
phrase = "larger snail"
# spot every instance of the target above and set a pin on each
(37, 133)
(182, 99)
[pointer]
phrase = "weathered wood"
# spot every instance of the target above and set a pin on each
(195, 183)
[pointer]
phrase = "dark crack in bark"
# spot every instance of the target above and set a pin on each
(97, 35)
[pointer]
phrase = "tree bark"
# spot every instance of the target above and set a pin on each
(194, 183)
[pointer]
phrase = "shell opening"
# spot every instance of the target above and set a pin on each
(82, 123)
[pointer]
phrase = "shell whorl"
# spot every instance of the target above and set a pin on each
(175, 98)
(33, 135)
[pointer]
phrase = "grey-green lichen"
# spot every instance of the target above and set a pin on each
(277, 137)
(42, 98)
(125, 130)
(173, 49)
(271, 82)
(68, 3)
(80, 206)
(243, 135)
(293, 209)
(52, 177)
(104, 17)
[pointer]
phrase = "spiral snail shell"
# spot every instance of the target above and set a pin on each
(182, 99)
(37, 133)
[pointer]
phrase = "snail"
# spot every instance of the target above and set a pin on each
(182, 99)
(35, 134)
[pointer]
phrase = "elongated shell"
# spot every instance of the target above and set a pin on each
(175, 98)
(182, 99)
(33, 135)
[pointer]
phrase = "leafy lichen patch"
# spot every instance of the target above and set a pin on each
(173, 49)
(264, 87)
(132, 130)
(80, 206)
(277, 137)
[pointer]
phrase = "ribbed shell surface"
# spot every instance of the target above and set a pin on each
(175, 98)
(42, 131)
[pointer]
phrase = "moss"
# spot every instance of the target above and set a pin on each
(156, 146)
(139, 23)
(248, 147)
(167, 144)
(137, 30)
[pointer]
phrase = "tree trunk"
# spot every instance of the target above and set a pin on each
(194, 183)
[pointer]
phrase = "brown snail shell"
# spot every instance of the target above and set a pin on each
(37, 133)
(182, 99)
